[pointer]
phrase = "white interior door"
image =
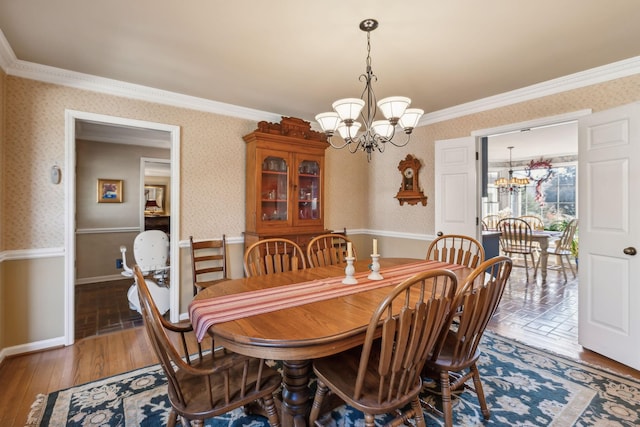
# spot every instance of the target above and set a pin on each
(609, 233)
(456, 180)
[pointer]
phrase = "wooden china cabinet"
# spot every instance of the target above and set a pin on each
(285, 182)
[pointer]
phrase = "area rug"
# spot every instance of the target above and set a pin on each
(524, 387)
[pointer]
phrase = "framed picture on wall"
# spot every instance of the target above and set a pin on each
(154, 199)
(109, 190)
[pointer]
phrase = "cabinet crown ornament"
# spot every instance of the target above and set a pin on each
(410, 191)
(292, 127)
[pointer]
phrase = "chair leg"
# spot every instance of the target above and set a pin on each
(562, 267)
(447, 409)
(271, 410)
(571, 266)
(480, 392)
(321, 391)
(369, 420)
(173, 415)
(418, 414)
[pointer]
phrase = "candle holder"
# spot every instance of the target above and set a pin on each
(349, 272)
(375, 268)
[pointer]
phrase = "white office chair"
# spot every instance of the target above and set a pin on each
(150, 251)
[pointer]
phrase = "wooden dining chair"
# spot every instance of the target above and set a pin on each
(205, 384)
(535, 222)
(562, 249)
(515, 240)
(328, 249)
(491, 221)
(453, 361)
(383, 375)
(271, 256)
(456, 249)
(208, 262)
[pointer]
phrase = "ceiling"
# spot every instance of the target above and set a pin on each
(294, 58)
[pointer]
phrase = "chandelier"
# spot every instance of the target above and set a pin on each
(513, 184)
(376, 133)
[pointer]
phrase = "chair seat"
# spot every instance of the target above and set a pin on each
(558, 251)
(341, 371)
(194, 387)
(445, 357)
(515, 250)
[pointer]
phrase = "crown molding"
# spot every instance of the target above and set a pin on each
(615, 70)
(7, 57)
(16, 67)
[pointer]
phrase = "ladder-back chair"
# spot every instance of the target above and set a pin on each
(208, 262)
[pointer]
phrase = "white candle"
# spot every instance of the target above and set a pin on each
(349, 250)
(375, 246)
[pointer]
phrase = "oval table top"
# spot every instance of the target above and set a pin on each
(307, 331)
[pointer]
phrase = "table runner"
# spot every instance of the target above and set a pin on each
(206, 312)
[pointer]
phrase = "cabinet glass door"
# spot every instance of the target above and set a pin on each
(274, 195)
(308, 194)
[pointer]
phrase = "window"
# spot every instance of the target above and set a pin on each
(559, 195)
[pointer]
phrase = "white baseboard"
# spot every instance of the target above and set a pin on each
(31, 347)
(98, 279)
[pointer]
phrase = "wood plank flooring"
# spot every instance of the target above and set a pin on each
(103, 308)
(543, 316)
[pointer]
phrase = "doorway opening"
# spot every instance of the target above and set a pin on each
(138, 134)
(532, 172)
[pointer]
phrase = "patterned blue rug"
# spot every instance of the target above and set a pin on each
(524, 387)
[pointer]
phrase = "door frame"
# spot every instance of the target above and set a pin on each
(71, 117)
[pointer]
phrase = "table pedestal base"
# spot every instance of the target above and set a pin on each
(295, 393)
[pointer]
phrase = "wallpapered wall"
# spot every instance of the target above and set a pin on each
(360, 194)
(3, 78)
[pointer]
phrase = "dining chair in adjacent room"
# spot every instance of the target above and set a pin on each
(491, 221)
(453, 361)
(382, 376)
(535, 222)
(515, 239)
(456, 249)
(208, 262)
(328, 249)
(563, 248)
(271, 256)
(204, 384)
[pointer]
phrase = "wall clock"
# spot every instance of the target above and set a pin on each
(410, 188)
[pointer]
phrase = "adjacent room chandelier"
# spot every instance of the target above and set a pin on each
(513, 184)
(376, 133)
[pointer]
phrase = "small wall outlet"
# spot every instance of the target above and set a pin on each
(118, 263)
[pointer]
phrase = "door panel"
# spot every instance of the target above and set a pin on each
(609, 293)
(456, 186)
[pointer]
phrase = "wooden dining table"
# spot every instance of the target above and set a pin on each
(297, 334)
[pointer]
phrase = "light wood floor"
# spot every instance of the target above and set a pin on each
(543, 316)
